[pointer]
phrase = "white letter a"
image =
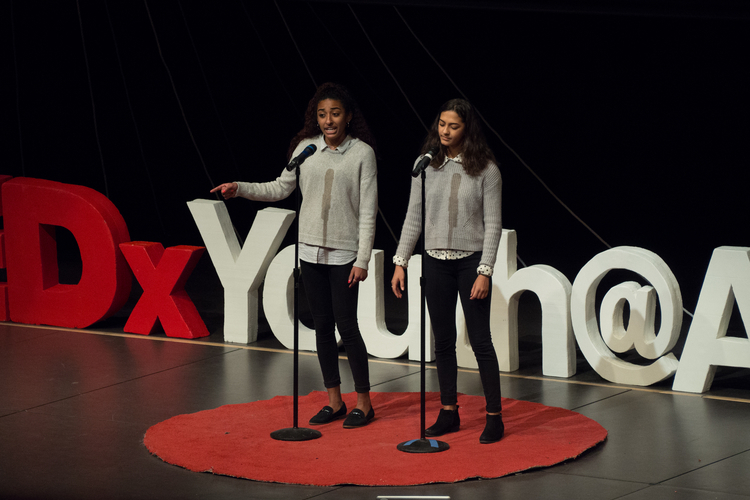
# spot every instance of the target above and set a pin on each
(707, 346)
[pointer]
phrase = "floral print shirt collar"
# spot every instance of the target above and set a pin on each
(457, 159)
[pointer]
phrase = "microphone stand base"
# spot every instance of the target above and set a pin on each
(295, 434)
(423, 446)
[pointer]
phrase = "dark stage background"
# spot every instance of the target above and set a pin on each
(635, 114)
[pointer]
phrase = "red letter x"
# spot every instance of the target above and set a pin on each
(162, 274)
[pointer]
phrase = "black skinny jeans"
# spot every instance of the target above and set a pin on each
(333, 303)
(444, 281)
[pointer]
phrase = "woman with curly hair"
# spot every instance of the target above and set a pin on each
(336, 235)
(462, 235)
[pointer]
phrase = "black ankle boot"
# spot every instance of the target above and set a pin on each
(447, 421)
(494, 430)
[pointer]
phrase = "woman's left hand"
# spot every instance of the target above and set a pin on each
(356, 275)
(481, 287)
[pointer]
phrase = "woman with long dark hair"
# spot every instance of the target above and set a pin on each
(462, 235)
(336, 235)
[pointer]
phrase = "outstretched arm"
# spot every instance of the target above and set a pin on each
(228, 190)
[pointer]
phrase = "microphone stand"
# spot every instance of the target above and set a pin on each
(296, 433)
(423, 445)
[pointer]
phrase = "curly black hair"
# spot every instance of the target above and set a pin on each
(475, 153)
(357, 127)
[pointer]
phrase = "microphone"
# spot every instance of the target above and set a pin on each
(424, 162)
(300, 159)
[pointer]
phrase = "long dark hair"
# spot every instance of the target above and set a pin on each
(357, 127)
(475, 153)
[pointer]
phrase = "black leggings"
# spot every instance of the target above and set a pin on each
(444, 281)
(334, 304)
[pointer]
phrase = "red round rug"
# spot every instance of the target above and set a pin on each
(234, 440)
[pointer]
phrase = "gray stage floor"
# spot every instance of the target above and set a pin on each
(74, 406)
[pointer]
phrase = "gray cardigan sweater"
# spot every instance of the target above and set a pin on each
(339, 196)
(462, 212)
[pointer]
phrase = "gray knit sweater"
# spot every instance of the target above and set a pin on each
(339, 196)
(462, 212)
